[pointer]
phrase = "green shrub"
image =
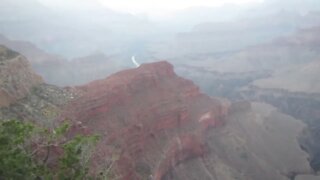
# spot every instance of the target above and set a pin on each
(26, 148)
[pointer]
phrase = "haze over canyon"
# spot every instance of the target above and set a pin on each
(196, 91)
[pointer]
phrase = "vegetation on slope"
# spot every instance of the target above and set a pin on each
(30, 152)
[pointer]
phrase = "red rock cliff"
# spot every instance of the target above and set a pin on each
(148, 117)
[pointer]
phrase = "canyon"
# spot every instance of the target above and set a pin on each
(154, 124)
(226, 92)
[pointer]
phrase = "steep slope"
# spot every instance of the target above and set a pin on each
(16, 77)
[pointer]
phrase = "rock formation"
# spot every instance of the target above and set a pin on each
(161, 118)
(17, 78)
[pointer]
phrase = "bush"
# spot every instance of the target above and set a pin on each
(25, 150)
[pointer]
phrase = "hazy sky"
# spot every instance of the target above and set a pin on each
(168, 5)
(150, 7)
